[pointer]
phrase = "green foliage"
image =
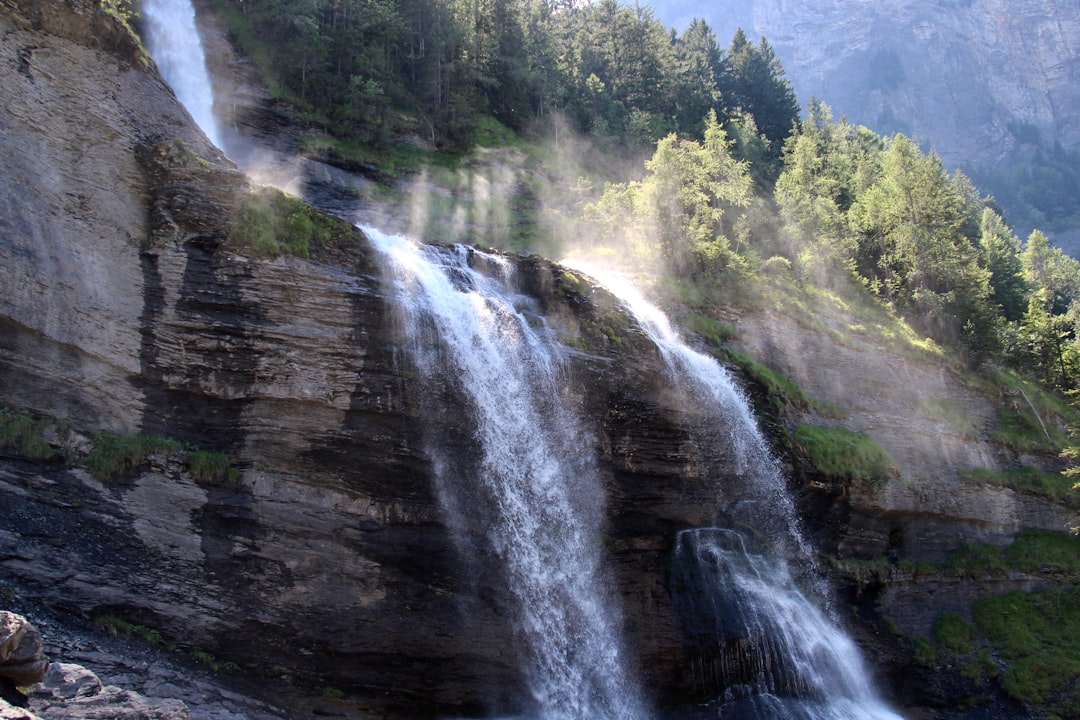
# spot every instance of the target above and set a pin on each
(842, 454)
(271, 223)
(925, 652)
(114, 457)
(1055, 486)
(1024, 430)
(119, 627)
(211, 467)
(675, 214)
(953, 634)
(717, 333)
(1045, 552)
(1038, 636)
(26, 433)
(372, 70)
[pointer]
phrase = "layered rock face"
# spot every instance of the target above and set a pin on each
(329, 563)
(125, 311)
(971, 78)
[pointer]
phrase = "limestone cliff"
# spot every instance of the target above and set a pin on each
(328, 563)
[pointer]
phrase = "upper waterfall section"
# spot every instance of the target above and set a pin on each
(174, 43)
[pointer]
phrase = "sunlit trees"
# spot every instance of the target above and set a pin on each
(677, 211)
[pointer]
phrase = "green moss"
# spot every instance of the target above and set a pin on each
(842, 454)
(1038, 635)
(1045, 552)
(116, 456)
(780, 389)
(924, 651)
(976, 561)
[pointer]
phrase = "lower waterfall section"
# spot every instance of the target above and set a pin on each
(765, 649)
(777, 653)
(529, 495)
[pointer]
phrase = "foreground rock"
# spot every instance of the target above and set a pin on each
(72, 692)
(22, 659)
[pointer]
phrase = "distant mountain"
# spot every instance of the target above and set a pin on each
(992, 85)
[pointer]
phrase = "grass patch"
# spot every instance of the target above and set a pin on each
(1038, 635)
(114, 457)
(845, 455)
(715, 332)
(271, 223)
(781, 390)
(1020, 428)
(1054, 486)
(118, 627)
(26, 434)
(954, 634)
(211, 467)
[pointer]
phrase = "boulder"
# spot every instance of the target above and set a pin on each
(22, 658)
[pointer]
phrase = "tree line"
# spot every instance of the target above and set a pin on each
(849, 204)
(370, 69)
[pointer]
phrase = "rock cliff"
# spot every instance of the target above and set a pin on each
(327, 564)
(971, 78)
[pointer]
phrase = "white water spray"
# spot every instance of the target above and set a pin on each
(173, 42)
(801, 665)
(532, 494)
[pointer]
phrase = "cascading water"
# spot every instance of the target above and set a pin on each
(530, 494)
(778, 655)
(173, 42)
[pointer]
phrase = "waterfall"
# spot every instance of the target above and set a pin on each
(173, 42)
(775, 652)
(522, 485)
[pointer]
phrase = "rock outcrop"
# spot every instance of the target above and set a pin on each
(327, 564)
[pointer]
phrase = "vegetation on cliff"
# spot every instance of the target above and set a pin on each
(108, 457)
